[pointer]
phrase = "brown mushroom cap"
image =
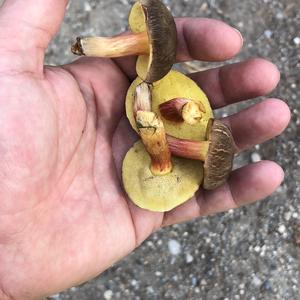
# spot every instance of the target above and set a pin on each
(162, 35)
(218, 163)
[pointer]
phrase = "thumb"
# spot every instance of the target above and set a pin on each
(31, 24)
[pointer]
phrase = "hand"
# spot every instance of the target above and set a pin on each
(64, 217)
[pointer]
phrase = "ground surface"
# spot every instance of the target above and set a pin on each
(250, 253)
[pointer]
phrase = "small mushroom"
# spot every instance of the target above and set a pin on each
(182, 110)
(173, 88)
(216, 152)
(154, 38)
(159, 193)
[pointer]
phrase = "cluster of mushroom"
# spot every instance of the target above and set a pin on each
(182, 147)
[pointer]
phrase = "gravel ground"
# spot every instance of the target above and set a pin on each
(250, 253)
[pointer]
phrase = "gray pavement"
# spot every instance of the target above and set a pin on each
(252, 252)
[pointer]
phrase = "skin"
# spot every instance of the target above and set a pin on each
(64, 217)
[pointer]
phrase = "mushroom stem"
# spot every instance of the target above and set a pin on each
(153, 135)
(188, 149)
(182, 110)
(122, 45)
(142, 98)
(217, 153)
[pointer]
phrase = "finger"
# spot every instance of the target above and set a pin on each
(198, 39)
(237, 82)
(32, 21)
(31, 24)
(207, 40)
(245, 185)
(258, 123)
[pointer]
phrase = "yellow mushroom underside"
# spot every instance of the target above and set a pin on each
(137, 24)
(174, 85)
(159, 193)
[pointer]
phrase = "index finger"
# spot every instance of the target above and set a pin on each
(206, 40)
(198, 39)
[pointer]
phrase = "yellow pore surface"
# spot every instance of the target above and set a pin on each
(174, 85)
(137, 24)
(159, 193)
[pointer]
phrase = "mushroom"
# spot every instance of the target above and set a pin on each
(159, 193)
(175, 87)
(153, 37)
(216, 152)
(151, 179)
(182, 110)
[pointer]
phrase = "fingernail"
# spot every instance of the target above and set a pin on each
(242, 39)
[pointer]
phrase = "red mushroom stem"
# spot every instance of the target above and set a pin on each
(153, 135)
(188, 148)
(182, 110)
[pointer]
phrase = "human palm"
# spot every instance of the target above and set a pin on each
(64, 216)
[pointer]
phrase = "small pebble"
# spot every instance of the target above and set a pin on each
(268, 33)
(133, 282)
(150, 290)
(256, 248)
(255, 157)
(281, 229)
(174, 247)
(287, 216)
(263, 250)
(189, 258)
(194, 281)
(256, 281)
(203, 282)
(297, 40)
(87, 6)
(108, 295)
(280, 15)
(204, 6)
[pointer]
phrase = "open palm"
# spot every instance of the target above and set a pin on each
(64, 216)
